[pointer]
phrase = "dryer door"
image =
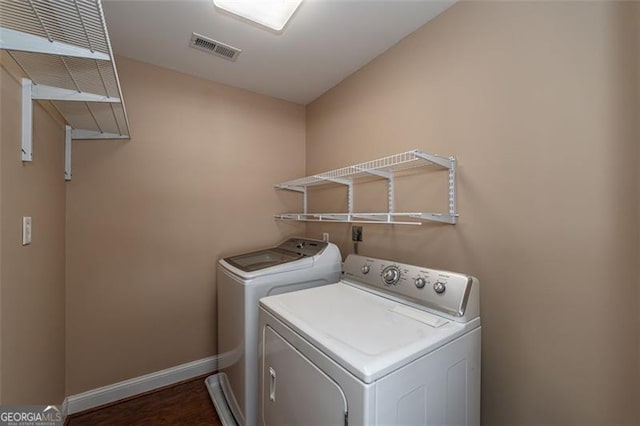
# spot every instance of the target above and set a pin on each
(294, 390)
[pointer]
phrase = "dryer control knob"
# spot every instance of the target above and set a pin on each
(439, 287)
(391, 275)
(365, 269)
(420, 282)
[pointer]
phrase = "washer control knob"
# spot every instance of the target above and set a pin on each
(365, 269)
(391, 275)
(420, 282)
(439, 287)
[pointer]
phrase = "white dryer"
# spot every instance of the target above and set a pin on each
(390, 344)
(296, 264)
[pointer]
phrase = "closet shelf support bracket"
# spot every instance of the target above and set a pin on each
(36, 92)
(453, 205)
(27, 121)
(67, 152)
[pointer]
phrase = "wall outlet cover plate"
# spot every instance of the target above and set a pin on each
(26, 230)
(356, 233)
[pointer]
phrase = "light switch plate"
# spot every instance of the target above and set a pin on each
(26, 230)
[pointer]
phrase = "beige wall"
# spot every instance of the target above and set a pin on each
(32, 277)
(148, 218)
(537, 101)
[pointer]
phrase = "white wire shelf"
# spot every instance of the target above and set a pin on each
(385, 168)
(63, 48)
(379, 167)
(376, 218)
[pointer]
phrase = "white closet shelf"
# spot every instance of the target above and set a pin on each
(63, 49)
(376, 218)
(384, 168)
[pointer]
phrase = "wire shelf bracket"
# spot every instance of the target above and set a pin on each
(27, 121)
(384, 168)
(67, 152)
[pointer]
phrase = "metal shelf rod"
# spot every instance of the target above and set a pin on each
(42, 25)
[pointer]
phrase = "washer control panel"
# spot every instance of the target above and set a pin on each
(446, 292)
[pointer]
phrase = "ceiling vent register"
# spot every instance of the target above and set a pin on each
(214, 47)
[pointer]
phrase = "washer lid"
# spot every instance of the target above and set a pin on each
(289, 251)
(263, 259)
(367, 334)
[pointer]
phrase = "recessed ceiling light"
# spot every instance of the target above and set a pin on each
(273, 14)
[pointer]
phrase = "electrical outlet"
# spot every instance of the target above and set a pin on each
(325, 237)
(26, 230)
(356, 233)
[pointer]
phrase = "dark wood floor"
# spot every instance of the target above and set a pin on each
(186, 403)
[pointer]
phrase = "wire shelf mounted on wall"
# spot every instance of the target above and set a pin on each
(63, 49)
(384, 168)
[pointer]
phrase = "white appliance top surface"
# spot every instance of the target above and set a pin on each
(369, 335)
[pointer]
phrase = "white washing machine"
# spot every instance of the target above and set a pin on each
(242, 280)
(390, 344)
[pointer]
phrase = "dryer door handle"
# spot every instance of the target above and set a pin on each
(272, 384)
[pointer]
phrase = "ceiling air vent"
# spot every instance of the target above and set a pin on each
(214, 47)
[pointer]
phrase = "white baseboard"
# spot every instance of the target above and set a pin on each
(127, 388)
(64, 409)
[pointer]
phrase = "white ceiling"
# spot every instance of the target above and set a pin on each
(325, 41)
